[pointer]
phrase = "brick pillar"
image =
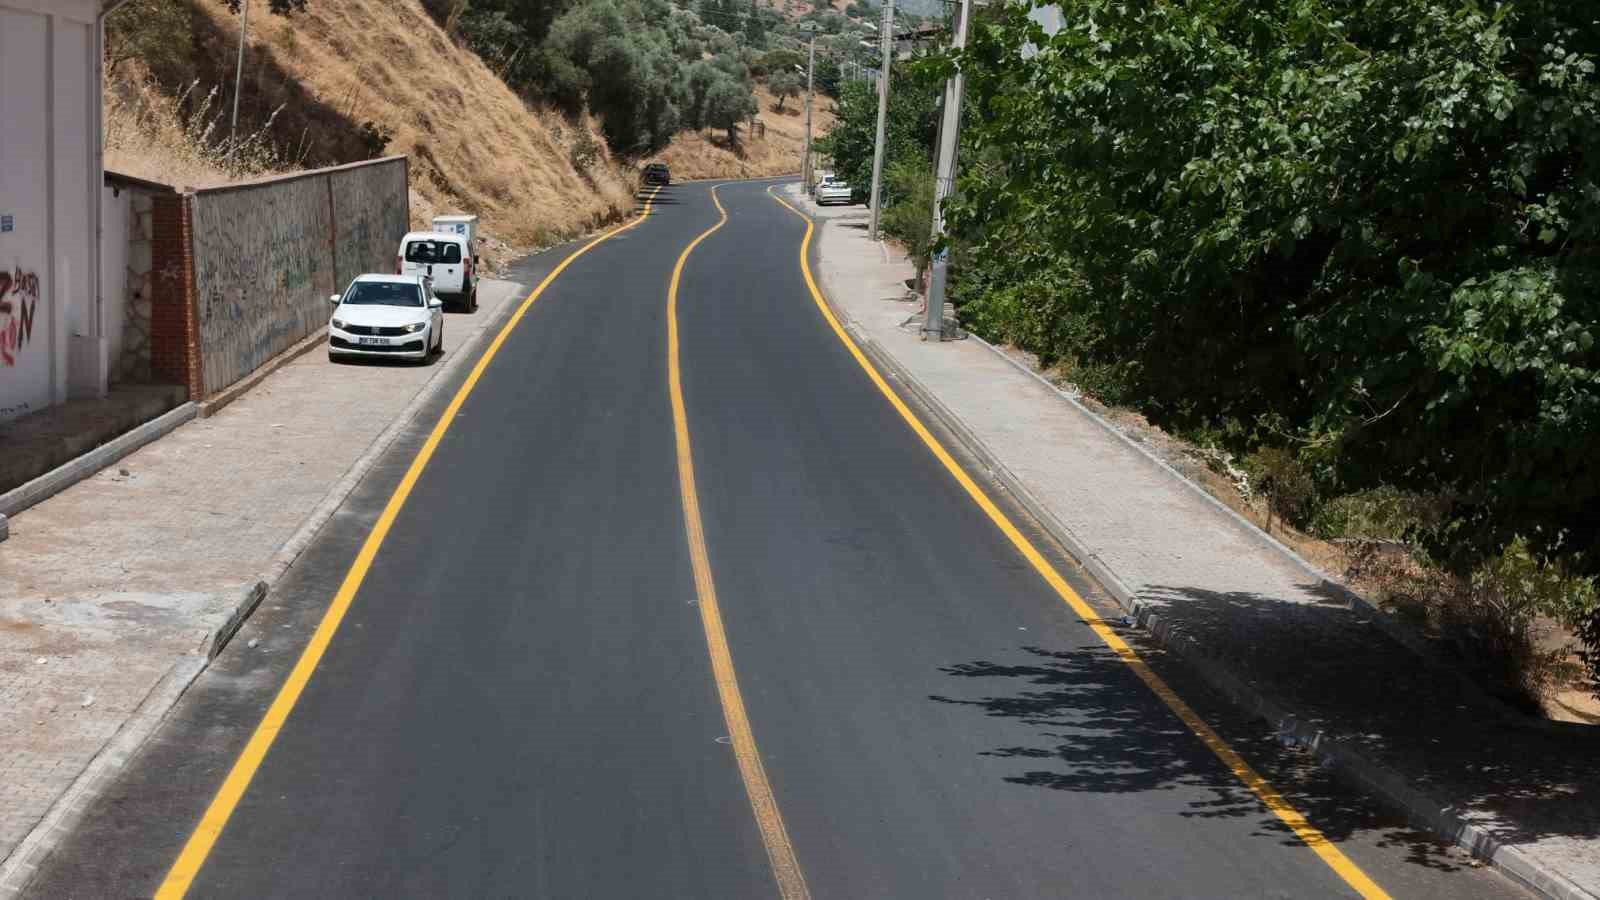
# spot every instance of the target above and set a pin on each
(174, 330)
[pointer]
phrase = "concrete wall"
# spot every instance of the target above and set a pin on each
(267, 254)
(48, 170)
(373, 214)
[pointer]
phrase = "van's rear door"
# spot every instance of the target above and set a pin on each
(437, 258)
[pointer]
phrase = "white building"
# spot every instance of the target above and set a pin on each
(52, 335)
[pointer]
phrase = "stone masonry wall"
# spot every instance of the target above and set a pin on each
(133, 365)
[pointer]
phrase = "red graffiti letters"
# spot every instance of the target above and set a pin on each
(19, 300)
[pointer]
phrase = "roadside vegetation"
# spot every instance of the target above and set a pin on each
(1346, 251)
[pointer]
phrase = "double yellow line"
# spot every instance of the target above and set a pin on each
(780, 850)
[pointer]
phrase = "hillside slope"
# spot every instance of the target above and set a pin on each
(350, 80)
(329, 84)
(775, 149)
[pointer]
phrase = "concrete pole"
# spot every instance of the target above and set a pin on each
(811, 68)
(238, 69)
(944, 182)
(876, 197)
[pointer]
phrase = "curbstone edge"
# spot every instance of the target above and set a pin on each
(75, 470)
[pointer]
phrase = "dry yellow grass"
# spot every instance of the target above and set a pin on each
(146, 136)
(474, 145)
(778, 151)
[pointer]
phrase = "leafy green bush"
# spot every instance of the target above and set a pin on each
(1373, 222)
(636, 64)
(908, 131)
(1383, 513)
(908, 207)
(157, 33)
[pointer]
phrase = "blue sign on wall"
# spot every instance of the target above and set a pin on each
(6, 224)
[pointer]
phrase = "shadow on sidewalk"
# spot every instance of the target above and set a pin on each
(1331, 665)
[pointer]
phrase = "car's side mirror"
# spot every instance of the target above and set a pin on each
(435, 303)
(333, 299)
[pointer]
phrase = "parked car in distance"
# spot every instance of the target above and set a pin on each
(832, 190)
(657, 173)
(395, 316)
(445, 258)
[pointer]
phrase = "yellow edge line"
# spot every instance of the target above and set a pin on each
(1269, 796)
(194, 853)
(780, 852)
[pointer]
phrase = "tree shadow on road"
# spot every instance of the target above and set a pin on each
(1098, 730)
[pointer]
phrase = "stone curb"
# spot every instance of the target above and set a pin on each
(73, 471)
(1381, 780)
(213, 405)
(68, 810)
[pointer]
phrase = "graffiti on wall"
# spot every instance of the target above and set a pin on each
(19, 304)
(267, 256)
(263, 271)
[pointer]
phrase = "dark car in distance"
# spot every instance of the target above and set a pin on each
(657, 173)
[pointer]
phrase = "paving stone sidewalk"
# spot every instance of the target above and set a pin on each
(108, 585)
(1255, 613)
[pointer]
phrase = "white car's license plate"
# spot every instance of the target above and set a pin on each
(373, 341)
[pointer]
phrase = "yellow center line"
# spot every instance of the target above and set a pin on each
(780, 852)
(195, 851)
(1269, 796)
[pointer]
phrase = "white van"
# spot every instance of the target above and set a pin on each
(447, 259)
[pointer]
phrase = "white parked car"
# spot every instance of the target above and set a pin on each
(444, 257)
(832, 190)
(386, 315)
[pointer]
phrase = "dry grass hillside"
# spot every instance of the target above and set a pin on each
(328, 85)
(776, 152)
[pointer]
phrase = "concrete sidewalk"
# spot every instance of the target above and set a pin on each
(1253, 619)
(111, 591)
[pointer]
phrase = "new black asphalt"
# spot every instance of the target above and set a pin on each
(520, 701)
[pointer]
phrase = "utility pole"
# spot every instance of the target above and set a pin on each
(883, 115)
(944, 182)
(811, 68)
(238, 69)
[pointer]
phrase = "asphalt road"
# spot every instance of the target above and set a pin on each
(523, 699)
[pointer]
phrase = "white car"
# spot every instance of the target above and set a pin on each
(834, 191)
(395, 316)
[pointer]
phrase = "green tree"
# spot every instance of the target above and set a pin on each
(156, 32)
(909, 129)
(784, 85)
(1362, 229)
(728, 103)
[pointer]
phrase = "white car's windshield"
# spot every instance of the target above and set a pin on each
(383, 293)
